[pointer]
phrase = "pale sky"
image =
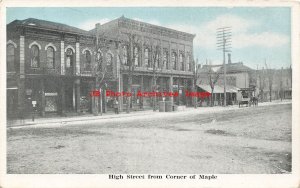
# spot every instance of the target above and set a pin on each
(257, 33)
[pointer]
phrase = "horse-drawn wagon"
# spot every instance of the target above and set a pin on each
(246, 96)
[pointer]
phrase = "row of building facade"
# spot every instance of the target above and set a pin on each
(52, 68)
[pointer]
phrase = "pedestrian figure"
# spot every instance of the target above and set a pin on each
(116, 106)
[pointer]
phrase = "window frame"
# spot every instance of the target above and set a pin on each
(32, 56)
(71, 58)
(13, 57)
(87, 62)
(53, 58)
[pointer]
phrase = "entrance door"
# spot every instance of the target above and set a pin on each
(69, 97)
(12, 103)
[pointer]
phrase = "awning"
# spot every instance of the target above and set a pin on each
(219, 89)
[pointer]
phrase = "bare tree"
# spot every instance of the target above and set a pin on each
(270, 74)
(100, 72)
(262, 80)
(196, 76)
(133, 41)
(281, 84)
(157, 66)
(213, 78)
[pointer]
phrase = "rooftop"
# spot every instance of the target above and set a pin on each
(37, 23)
(145, 24)
(230, 67)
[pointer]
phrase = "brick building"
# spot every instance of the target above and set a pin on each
(157, 58)
(49, 66)
(52, 67)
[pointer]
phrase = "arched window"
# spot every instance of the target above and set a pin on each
(10, 58)
(136, 56)
(109, 59)
(35, 56)
(69, 58)
(174, 60)
(125, 55)
(99, 57)
(109, 62)
(181, 62)
(165, 58)
(50, 57)
(87, 58)
(147, 64)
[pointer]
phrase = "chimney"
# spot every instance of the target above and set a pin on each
(229, 58)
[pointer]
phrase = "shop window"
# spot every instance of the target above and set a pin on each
(35, 56)
(10, 58)
(50, 57)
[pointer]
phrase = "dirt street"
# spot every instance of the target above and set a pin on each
(239, 141)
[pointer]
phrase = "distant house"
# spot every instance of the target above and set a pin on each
(238, 76)
(281, 84)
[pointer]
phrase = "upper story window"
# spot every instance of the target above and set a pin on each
(50, 57)
(147, 63)
(35, 56)
(99, 58)
(188, 63)
(10, 58)
(181, 62)
(157, 62)
(87, 60)
(125, 55)
(136, 56)
(174, 60)
(165, 59)
(109, 61)
(69, 58)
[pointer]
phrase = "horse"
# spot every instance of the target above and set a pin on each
(254, 100)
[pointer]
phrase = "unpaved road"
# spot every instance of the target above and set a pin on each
(239, 141)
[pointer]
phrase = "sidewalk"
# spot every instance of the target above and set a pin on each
(90, 117)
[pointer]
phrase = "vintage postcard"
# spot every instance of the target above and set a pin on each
(149, 94)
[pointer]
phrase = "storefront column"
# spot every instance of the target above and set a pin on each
(95, 100)
(77, 95)
(142, 89)
(21, 81)
(43, 97)
(121, 89)
(77, 59)
(171, 87)
(62, 57)
(62, 93)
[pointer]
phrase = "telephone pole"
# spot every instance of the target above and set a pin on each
(224, 43)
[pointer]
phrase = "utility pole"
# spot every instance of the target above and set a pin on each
(224, 43)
